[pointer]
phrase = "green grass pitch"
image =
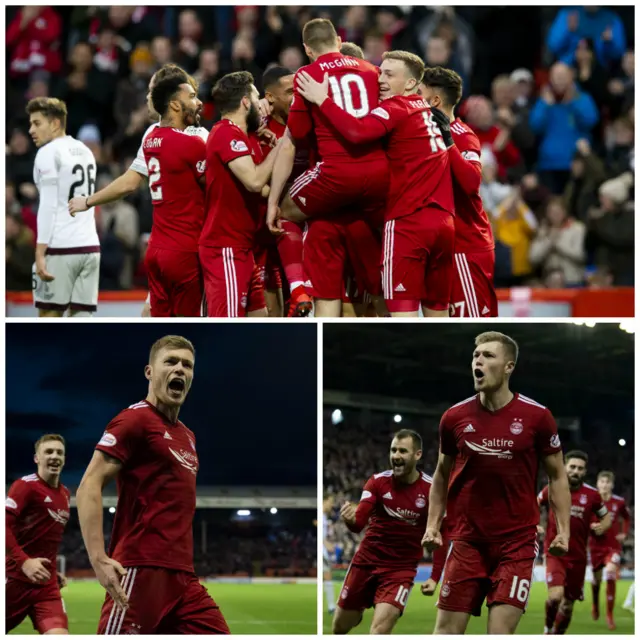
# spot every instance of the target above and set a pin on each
(248, 608)
(420, 615)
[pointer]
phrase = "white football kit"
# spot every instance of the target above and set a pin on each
(65, 168)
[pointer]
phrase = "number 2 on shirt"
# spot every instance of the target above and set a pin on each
(342, 92)
(154, 176)
(433, 130)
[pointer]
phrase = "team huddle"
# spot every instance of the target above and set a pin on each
(349, 189)
(485, 549)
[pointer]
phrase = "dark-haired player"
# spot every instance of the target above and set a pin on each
(148, 573)
(394, 504)
(605, 546)
(491, 446)
(419, 229)
(342, 197)
(37, 510)
(176, 165)
(236, 176)
(565, 576)
(352, 49)
(473, 294)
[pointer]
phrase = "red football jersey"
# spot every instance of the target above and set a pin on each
(36, 515)
(617, 507)
(492, 488)
(233, 213)
(176, 161)
(353, 86)
(473, 229)
(304, 151)
(585, 503)
(398, 517)
(156, 488)
(418, 158)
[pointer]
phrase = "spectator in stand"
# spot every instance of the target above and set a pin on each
(33, 42)
(292, 58)
(560, 244)
(20, 161)
(130, 25)
(87, 92)
(162, 52)
(438, 53)
(189, 40)
(611, 227)
(587, 174)
(89, 134)
(390, 20)
(206, 76)
(492, 191)
(478, 114)
(243, 58)
(374, 47)
(591, 76)
(514, 226)
(535, 195)
(620, 147)
(354, 24)
(603, 26)
(19, 248)
(621, 86)
(513, 118)
(109, 56)
(561, 116)
(523, 88)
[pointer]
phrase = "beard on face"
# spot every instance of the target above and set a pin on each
(253, 118)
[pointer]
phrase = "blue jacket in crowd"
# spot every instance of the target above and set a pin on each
(591, 24)
(560, 126)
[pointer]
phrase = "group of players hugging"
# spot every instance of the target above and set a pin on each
(353, 186)
(486, 545)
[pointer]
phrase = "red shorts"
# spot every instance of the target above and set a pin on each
(472, 293)
(43, 604)
(367, 586)
(181, 605)
(364, 248)
(327, 189)
(600, 558)
(230, 282)
(417, 260)
(267, 258)
(175, 283)
(568, 574)
(500, 572)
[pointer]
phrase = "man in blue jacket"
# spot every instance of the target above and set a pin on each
(573, 24)
(561, 116)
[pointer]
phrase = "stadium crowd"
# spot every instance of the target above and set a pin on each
(359, 447)
(552, 105)
(239, 549)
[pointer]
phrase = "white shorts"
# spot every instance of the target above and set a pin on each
(75, 285)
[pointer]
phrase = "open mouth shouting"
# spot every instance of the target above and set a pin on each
(177, 387)
(478, 374)
(398, 466)
(54, 465)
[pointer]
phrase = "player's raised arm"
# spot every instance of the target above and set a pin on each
(356, 130)
(438, 501)
(101, 470)
(121, 187)
(559, 500)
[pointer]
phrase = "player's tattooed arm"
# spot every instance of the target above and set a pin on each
(121, 187)
(560, 501)
(438, 502)
(101, 470)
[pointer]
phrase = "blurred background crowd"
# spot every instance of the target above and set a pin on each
(355, 449)
(549, 92)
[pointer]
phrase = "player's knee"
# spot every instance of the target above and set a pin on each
(566, 607)
(342, 623)
(381, 627)
(556, 594)
(56, 632)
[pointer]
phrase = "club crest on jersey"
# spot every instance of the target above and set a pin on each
(344, 593)
(238, 146)
(516, 427)
(108, 439)
(446, 590)
(583, 499)
(421, 502)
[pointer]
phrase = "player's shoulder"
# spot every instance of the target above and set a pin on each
(460, 408)
(134, 412)
(617, 498)
(531, 405)
(466, 140)
(198, 132)
(590, 488)
(47, 153)
(32, 477)
(150, 129)
(462, 129)
(425, 477)
(25, 483)
(388, 473)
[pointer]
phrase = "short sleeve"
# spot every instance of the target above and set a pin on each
(547, 439)
(230, 144)
(543, 497)
(18, 497)
(370, 491)
(469, 146)
(448, 444)
(139, 165)
(198, 156)
(121, 437)
(46, 167)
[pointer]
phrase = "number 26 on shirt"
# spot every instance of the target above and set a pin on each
(437, 142)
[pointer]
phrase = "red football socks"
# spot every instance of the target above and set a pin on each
(290, 250)
(562, 623)
(611, 596)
